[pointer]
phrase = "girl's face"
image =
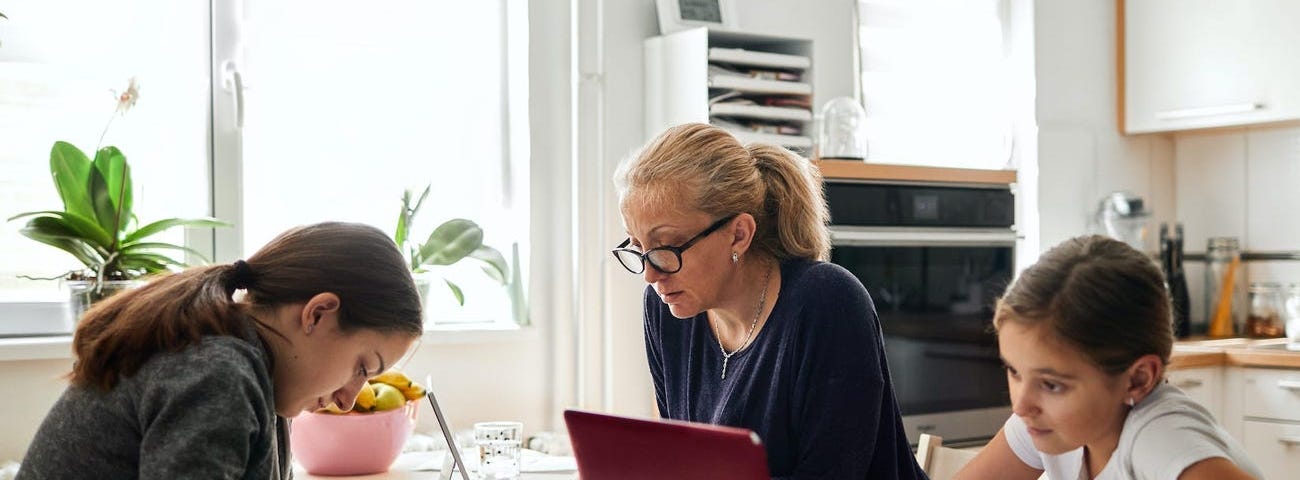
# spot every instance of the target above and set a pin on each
(323, 365)
(1065, 400)
(705, 265)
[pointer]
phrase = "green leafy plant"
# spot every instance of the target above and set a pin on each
(453, 241)
(98, 225)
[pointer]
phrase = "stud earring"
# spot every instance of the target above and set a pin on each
(735, 257)
(1130, 402)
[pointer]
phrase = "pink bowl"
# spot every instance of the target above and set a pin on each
(351, 444)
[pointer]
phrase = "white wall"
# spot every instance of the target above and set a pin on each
(30, 388)
(1240, 183)
(1081, 155)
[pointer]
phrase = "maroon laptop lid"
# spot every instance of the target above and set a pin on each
(614, 447)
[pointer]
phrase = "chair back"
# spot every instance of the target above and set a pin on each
(938, 461)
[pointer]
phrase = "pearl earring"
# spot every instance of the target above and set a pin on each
(735, 257)
(1130, 402)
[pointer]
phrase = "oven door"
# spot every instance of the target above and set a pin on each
(934, 290)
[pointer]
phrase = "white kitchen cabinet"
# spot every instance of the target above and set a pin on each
(758, 87)
(1264, 409)
(1275, 447)
(1189, 64)
(1203, 384)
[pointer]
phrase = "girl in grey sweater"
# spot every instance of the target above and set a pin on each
(177, 379)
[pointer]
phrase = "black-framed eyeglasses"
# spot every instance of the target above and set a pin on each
(666, 259)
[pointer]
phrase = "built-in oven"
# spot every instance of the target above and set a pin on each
(934, 258)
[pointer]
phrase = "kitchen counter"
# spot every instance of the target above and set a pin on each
(1241, 352)
(858, 170)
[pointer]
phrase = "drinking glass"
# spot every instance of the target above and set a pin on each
(499, 448)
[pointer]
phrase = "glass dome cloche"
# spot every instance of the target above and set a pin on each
(843, 130)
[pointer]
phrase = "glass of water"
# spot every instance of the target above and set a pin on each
(499, 448)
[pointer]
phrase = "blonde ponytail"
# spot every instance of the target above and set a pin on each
(795, 203)
(705, 168)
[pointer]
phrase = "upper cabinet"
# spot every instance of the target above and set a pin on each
(1189, 64)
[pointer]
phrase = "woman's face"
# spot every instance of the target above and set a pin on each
(323, 365)
(705, 264)
(1065, 400)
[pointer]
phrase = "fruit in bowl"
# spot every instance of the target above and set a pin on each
(362, 441)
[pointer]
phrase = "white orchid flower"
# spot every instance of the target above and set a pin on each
(126, 99)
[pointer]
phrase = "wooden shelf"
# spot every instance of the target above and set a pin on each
(856, 170)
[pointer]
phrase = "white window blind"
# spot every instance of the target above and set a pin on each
(936, 82)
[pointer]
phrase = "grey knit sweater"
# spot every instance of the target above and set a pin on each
(205, 412)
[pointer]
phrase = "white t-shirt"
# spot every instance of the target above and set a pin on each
(1161, 437)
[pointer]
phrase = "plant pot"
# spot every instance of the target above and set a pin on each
(82, 294)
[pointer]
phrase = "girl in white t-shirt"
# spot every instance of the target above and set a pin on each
(1086, 333)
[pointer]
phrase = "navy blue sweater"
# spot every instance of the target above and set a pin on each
(813, 383)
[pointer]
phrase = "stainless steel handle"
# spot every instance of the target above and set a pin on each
(1208, 111)
(1289, 440)
(1189, 383)
(921, 237)
(1288, 384)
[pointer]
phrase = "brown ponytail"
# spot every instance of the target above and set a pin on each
(707, 168)
(1099, 295)
(357, 262)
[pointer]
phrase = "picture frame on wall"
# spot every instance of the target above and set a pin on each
(677, 15)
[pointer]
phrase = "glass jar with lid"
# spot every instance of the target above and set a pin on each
(1267, 306)
(1225, 289)
(843, 130)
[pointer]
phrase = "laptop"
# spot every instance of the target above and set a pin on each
(614, 447)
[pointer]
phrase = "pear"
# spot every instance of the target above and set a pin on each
(387, 397)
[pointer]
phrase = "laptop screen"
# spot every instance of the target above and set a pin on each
(611, 447)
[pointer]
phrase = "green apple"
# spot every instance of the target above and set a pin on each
(387, 397)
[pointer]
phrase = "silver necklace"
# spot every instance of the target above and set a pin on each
(762, 298)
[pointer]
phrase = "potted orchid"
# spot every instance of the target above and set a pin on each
(451, 242)
(97, 224)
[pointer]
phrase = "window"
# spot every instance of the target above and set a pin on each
(937, 82)
(344, 105)
(60, 63)
(345, 111)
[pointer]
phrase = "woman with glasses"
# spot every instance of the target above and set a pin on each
(745, 324)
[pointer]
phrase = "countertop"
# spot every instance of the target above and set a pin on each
(858, 170)
(1239, 352)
